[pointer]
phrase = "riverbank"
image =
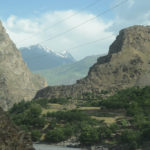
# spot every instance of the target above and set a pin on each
(64, 146)
(54, 147)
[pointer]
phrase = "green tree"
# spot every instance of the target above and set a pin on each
(36, 135)
(89, 136)
(54, 136)
(130, 137)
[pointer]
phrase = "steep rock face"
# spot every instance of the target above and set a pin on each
(11, 138)
(127, 64)
(16, 81)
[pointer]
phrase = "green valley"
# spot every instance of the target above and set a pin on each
(119, 120)
(69, 73)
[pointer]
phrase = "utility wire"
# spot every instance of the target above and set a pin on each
(68, 17)
(107, 10)
(91, 42)
(76, 13)
(77, 46)
(113, 7)
(85, 22)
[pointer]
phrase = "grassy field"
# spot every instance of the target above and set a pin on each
(94, 112)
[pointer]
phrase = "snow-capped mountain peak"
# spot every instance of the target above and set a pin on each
(65, 54)
(38, 57)
(40, 48)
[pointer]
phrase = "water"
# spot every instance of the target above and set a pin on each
(50, 147)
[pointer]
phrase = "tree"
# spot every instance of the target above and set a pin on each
(54, 136)
(131, 138)
(36, 135)
(89, 136)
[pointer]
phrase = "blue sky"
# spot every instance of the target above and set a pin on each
(32, 22)
(31, 8)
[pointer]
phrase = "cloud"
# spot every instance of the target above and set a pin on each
(133, 12)
(29, 31)
(131, 3)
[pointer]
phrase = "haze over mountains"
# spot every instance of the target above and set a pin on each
(39, 58)
(68, 73)
(56, 68)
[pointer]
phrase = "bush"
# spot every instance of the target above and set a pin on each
(52, 124)
(114, 127)
(42, 102)
(68, 131)
(36, 135)
(104, 132)
(20, 107)
(69, 116)
(58, 100)
(89, 136)
(55, 136)
(146, 134)
(130, 137)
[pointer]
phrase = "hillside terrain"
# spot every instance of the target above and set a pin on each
(69, 73)
(118, 122)
(16, 81)
(127, 64)
(39, 58)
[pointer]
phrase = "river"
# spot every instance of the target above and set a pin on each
(50, 147)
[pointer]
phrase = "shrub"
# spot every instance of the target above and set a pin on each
(131, 138)
(104, 132)
(89, 136)
(54, 136)
(36, 135)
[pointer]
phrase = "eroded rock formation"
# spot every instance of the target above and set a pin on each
(127, 64)
(16, 81)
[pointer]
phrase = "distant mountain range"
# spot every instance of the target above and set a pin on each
(56, 68)
(39, 58)
(69, 73)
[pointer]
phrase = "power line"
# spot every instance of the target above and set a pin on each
(91, 42)
(76, 13)
(68, 17)
(77, 46)
(81, 45)
(113, 7)
(85, 22)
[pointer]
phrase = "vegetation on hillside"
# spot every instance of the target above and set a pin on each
(130, 109)
(68, 73)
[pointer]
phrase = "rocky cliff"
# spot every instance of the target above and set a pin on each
(16, 81)
(11, 138)
(127, 64)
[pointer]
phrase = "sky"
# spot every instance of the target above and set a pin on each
(81, 27)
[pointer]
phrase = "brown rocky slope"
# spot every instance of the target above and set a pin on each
(127, 64)
(16, 81)
(11, 138)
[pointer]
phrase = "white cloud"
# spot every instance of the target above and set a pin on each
(133, 12)
(29, 31)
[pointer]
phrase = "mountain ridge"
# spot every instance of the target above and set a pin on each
(126, 65)
(15, 77)
(38, 57)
